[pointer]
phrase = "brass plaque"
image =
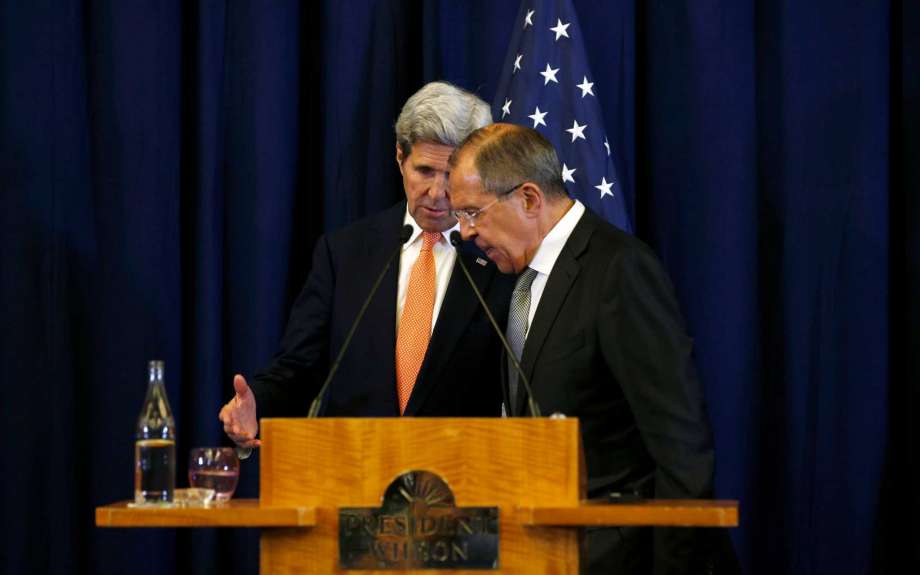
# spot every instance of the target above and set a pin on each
(418, 526)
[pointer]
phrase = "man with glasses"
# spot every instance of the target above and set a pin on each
(595, 324)
(424, 346)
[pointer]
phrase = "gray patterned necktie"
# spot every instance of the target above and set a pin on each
(516, 331)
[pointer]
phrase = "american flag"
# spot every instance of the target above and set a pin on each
(546, 84)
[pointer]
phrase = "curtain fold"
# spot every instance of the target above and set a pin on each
(165, 168)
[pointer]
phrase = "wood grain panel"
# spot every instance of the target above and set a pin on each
(658, 512)
(234, 513)
(330, 463)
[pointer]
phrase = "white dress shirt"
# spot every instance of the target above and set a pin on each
(548, 252)
(444, 257)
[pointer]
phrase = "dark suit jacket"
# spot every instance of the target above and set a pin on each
(608, 345)
(459, 376)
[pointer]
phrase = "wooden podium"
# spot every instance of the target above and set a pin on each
(314, 471)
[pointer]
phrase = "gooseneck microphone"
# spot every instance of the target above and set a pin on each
(455, 240)
(404, 234)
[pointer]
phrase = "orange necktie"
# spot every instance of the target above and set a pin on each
(415, 323)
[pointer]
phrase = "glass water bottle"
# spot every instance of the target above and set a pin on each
(155, 445)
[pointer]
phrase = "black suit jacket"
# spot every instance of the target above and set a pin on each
(608, 345)
(459, 374)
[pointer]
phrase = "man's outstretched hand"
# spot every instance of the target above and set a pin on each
(239, 415)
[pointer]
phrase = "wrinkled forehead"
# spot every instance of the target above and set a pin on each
(465, 188)
(431, 154)
(463, 163)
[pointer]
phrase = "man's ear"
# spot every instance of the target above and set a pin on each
(533, 198)
(399, 156)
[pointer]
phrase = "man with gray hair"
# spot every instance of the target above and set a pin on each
(599, 335)
(424, 346)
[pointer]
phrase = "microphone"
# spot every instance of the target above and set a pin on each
(404, 234)
(455, 240)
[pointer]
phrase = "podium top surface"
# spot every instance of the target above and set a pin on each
(249, 513)
(653, 512)
(234, 513)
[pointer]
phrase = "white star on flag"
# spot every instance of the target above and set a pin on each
(549, 75)
(524, 97)
(586, 87)
(560, 29)
(567, 173)
(605, 188)
(577, 131)
(537, 117)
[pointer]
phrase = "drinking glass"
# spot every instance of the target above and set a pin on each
(216, 468)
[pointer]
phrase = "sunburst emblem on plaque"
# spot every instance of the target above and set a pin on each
(418, 526)
(419, 487)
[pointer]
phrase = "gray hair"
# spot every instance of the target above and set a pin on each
(507, 155)
(440, 113)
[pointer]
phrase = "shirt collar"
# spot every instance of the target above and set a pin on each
(408, 220)
(551, 246)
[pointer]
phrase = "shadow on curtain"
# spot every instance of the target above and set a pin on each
(166, 167)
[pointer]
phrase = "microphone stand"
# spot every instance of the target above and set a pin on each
(455, 240)
(404, 235)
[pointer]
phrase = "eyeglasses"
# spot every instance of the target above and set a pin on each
(469, 216)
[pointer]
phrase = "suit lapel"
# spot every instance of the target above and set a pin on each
(557, 288)
(381, 313)
(457, 310)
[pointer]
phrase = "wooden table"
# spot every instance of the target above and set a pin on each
(248, 513)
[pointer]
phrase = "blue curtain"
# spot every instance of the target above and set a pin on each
(165, 168)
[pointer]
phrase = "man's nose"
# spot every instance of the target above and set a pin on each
(466, 230)
(438, 187)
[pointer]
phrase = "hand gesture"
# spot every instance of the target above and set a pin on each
(239, 415)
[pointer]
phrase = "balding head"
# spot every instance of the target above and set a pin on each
(506, 189)
(505, 155)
